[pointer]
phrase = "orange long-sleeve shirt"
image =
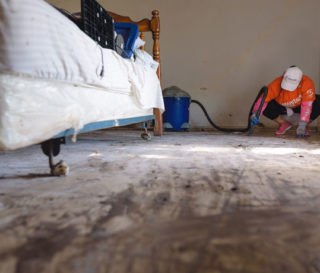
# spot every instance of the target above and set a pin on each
(305, 92)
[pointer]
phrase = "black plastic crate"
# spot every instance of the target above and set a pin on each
(97, 23)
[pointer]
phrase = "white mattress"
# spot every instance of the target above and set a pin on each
(33, 110)
(51, 80)
(37, 40)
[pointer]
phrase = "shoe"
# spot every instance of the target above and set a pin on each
(283, 128)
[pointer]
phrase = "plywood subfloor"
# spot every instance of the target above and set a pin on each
(185, 202)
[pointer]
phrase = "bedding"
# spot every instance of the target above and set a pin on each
(37, 40)
(54, 77)
(28, 117)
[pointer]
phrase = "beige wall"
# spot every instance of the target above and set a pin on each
(223, 51)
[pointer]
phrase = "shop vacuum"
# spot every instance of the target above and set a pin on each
(177, 102)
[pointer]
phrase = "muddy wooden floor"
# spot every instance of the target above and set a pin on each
(186, 202)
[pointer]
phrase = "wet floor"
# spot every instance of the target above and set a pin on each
(186, 202)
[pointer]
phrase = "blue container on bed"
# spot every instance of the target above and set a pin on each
(177, 102)
(129, 32)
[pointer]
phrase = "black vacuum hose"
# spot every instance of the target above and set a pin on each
(264, 90)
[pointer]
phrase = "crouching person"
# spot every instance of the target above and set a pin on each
(290, 93)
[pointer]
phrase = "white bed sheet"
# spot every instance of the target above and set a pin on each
(34, 110)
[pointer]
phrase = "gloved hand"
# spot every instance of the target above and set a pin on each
(301, 130)
(254, 119)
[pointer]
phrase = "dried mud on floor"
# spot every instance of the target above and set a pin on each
(185, 202)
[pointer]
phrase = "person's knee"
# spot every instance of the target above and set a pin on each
(273, 110)
(317, 102)
(315, 108)
(270, 115)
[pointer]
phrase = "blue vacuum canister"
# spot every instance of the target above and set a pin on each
(177, 102)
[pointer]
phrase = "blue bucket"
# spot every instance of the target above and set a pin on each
(177, 102)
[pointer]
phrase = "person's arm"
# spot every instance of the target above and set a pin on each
(256, 106)
(306, 109)
(274, 89)
(308, 96)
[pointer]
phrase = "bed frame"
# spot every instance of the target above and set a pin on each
(147, 25)
(144, 25)
(51, 147)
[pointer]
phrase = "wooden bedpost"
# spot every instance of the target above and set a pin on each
(155, 28)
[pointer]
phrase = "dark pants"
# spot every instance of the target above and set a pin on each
(274, 109)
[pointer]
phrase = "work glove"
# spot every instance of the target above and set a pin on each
(254, 119)
(301, 130)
